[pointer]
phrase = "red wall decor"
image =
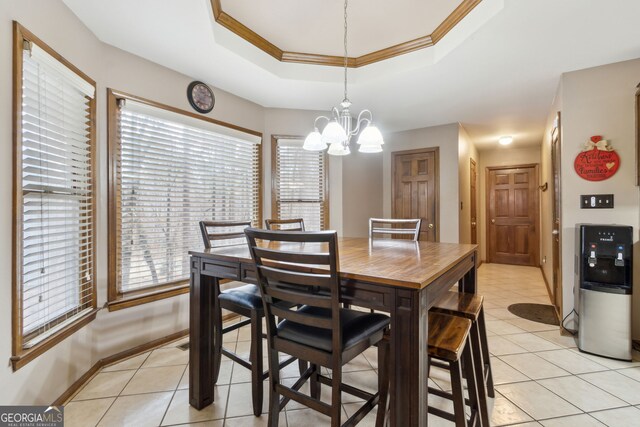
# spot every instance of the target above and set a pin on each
(597, 161)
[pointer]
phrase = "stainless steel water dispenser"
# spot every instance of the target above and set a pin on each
(603, 289)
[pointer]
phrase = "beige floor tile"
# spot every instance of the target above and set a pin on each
(633, 373)
(86, 413)
(180, 411)
(140, 410)
(166, 357)
(241, 402)
(504, 412)
(555, 337)
(365, 380)
(372, 356)
(582, 394)
(131, 363)
(501, 327)
(533, 366)
(537, 401)
(531, 342)
(309, 417)
(149, 380)
(571, 361)
(617, 384)
(504, 373)
(216, 423)
(500, 313)
(359, 363)
(176, 343)
(583, 420)
(612, 363)
(531, 326)
(252, 421)
(499, 346)
(105, 384)
(622, 417)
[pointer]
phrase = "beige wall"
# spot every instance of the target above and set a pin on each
(600, 101)
(446, 138)
(361, 191)
(500, 156)
(466, 151)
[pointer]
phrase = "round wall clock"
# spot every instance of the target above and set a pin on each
(200, 97)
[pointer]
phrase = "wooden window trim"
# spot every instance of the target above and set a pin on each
(117, 300)
(274, 179)
(21, 356)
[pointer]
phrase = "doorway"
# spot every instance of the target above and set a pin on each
(414, 190)
(512, 215)
(556, 224)
(473, 202)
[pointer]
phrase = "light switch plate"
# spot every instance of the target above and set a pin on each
(596, 201)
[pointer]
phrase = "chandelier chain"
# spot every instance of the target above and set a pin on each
(345, 50)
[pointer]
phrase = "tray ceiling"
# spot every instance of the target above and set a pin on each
(311, 31)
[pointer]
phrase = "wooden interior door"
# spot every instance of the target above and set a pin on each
(473, 202)
(512, 215)
(556, 225)
(415, 189)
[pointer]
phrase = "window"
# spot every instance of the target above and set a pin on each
(169, 170)
(299, 183)
(54, 202)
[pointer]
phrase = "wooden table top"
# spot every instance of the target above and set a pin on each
(402, 263)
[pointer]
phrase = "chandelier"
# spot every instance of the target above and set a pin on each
(339, 129)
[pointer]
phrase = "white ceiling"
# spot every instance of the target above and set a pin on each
(316, 26)
(496, 72)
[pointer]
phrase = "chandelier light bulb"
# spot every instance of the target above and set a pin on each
(339, 149)
(314, 142)
(371, 136)
(334, 133)
(370, 148)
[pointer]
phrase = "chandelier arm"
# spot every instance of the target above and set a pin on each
(361, 120)
(315, 122)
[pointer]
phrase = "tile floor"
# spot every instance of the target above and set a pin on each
(541, 378)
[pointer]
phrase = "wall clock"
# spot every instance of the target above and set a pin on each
(200, 97)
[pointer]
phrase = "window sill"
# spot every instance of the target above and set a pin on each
(27, 355)
(133, 299)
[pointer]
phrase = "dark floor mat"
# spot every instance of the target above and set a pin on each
(541, 313)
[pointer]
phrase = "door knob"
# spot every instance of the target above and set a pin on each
(473, 224)
(493, 221)
(431, 226)
(555, 232)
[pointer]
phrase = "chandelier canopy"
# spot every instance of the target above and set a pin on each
(339, 128)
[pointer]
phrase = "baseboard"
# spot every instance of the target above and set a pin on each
(68, 394)
(480, 263)
(546, 282)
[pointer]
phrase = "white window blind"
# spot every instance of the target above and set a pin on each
(57, 189)
(300, 184)
(174, 171)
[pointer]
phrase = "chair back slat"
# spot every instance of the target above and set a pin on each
(293, 224)
(289, 276)
(297, 297)
(223, 233)
(307, 258)
(296, 277)
(381, 227)
(302, 318)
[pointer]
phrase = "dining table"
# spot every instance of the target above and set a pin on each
(400, 277)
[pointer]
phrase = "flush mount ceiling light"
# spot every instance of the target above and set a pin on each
(505, 140)
(339, 129)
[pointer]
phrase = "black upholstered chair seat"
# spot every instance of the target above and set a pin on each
(247, 296)
(356, 326)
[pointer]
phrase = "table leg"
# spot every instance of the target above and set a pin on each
(468, 283)
(409, 372)
(200, 337)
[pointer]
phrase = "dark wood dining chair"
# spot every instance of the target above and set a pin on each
(314, 327)
(293, 224)
(244, 301)
(390, 228)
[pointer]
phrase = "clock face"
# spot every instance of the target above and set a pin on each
(200, 97)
